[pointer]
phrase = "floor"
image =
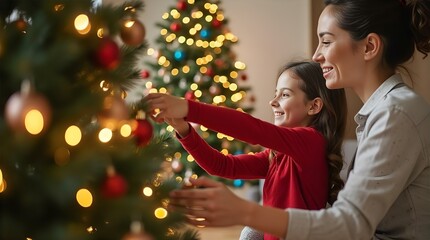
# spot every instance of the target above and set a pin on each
(226, 233)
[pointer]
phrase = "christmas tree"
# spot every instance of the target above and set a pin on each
(195, 60)
(76, 160)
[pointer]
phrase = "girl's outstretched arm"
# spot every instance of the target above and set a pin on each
(212, 204)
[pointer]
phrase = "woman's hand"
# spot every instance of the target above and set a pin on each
(210, 203)
(168, 106)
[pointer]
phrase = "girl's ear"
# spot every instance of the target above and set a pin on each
(315, 106)
(373, 46)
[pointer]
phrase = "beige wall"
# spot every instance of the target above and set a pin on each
(270, 33)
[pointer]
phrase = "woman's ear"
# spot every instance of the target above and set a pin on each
(373, 46)
(315, 106)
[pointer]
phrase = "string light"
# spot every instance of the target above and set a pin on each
(147, 191)
(34, 122)
(73, 135)
(160, 213)
(82, 24)
(84, 197)
(105, 135)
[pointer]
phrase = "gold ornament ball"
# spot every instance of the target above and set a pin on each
(114, 111)
(133, 32)
(21, 103)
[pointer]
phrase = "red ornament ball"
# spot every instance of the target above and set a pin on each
(175, 27)
(244, 77)
(190, 95)
(145, 74)
(182, 5)
(114, 186)
(210, 72)
(216, 23)
(107, 54)
(143, 132)
(133, 32)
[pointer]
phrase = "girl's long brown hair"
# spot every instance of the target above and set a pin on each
(330, 121)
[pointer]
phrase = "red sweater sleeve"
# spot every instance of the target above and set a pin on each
(245, 127)
(244, 166)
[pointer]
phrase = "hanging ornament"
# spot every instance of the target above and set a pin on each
(205, 33)
(220, 63)
(114, 112)
(216, 23)
(145, 74)
(137, 233)
(179, 55)
(143, 132)
(183, 83)
(114, 185)
(238, 183)
(133, 32)
(210, 72)
(177, 165)
(181, 5)
(28, 110)
(214, 90)
(107, 54)
(175, 27)
(244, 77)
(20, 24)
(190, 95)
(198, 78)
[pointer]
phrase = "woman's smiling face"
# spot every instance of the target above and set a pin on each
(340, 57)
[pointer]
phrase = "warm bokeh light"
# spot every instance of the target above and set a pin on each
(34, 121)
(3, 186)
(190, 158)
(1, 176)
(73, 135)
(147, 191)
(105, 135)
(160, 213)
(84, 197)
(125, 130)
(82, 24)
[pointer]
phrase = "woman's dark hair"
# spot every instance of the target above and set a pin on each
(402, 24)
(330, 121)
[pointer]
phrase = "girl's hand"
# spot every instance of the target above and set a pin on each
(180, 125)
(169, 106)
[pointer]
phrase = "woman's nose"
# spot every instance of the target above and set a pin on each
(317, 56)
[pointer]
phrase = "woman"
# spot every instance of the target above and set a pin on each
(387, 194)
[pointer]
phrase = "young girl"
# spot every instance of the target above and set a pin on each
(303, 158)
(387, 194)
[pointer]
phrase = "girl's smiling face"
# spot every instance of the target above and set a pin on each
(290, 104)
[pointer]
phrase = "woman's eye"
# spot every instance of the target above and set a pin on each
(285, 95)
(325, 43)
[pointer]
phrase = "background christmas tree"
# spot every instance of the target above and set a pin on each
(76, 161)
(195, 60)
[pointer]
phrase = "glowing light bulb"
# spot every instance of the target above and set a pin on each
(73, 135)
(160, 213)
(82, 24)
(105, 135)
(147, 191)
(84, 197)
